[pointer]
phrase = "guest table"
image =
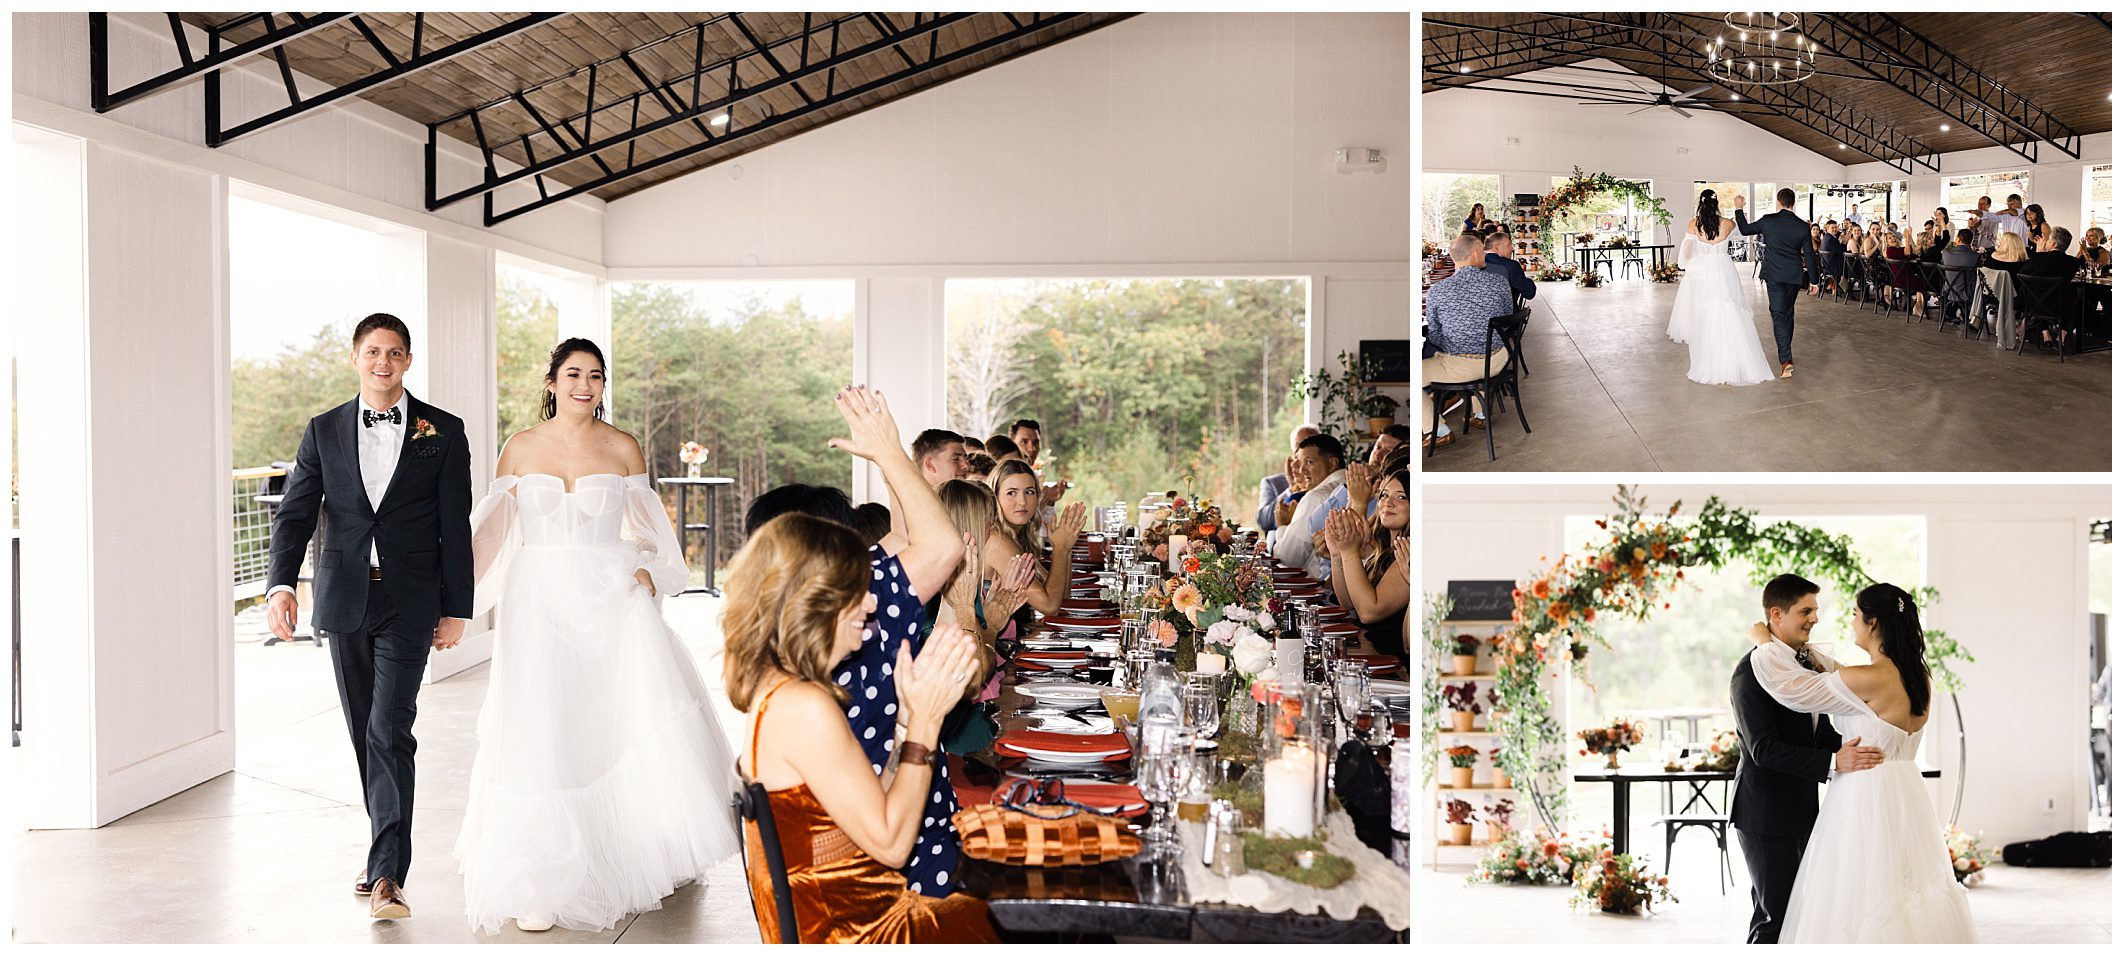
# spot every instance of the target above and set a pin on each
(2091, 309)
(1629, 774)
(707, 486)
(1585, 255)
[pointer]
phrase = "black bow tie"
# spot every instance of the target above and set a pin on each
(369, 418)
(1805, 661)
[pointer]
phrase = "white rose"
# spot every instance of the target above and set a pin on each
(1265, 621)
(1251, 654)
(1233, 612)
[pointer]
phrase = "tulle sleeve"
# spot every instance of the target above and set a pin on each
(648, 528)
(1800, 689)
(1688, 245)
(495, 539)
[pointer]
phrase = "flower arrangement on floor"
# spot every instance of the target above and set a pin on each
(1666, 272)
(1619, 884)
(1460, 700)
(1555, 273)
(1610, 741)
(1460, 822)
(1462, 758)
(1968, 856)
(1534, 859)
(1590, 280)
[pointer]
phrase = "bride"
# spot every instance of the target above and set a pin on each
(1874, 871)
(602, 781)
(1711, 313)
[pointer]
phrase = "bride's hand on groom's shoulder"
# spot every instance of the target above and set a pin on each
(1760, 633)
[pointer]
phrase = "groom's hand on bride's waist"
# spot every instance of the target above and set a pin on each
(1853, 757)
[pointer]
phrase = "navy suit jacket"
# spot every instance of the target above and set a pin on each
(1510, 269)
(1788, 255)
(422, 530)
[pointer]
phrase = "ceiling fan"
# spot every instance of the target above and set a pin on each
(1682, 103)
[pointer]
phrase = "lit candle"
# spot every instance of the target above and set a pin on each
(1209, 662)
(1175, 547)
(1287, 792)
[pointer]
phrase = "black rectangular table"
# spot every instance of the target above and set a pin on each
(1623, 778)
(1585, 255)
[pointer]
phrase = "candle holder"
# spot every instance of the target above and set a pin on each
(1295, 747)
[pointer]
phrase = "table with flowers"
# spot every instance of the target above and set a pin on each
(1249, 757)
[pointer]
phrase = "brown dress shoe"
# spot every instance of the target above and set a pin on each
(388, 901)
(1786, 372)
(362, 886)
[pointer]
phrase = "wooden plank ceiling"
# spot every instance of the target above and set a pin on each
(662, 45)
(2058, 61)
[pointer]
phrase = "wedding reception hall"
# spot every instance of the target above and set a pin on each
(717, 478)
(1618, 749)
(1863, 333)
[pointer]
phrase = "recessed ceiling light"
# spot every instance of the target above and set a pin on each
(719, 119)
(1464, 69)
(1943, 127)
(1840, 146)
(1736, 96)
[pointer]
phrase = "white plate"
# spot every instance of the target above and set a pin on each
(1391, 688)
(1062, 693)
(1064, 725)
(1065, 624)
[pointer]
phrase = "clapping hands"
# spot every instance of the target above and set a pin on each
(929, 686)
(1346, 530)
(1008, 594)
(1069, 522)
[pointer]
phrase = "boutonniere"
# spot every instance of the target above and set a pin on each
(422, 429)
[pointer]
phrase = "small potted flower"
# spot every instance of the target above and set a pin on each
(1460, 822)
(1460, 699)
(1464, 648)
(1498, 777)
(1497, 820)
(1463, 758)
(1610, 741)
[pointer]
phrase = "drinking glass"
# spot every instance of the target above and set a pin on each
(1132, 632)
(1162, 749)
(1353, 689)
(1138, 660)
(1198, 705)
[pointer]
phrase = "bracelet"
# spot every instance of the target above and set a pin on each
(914, 753)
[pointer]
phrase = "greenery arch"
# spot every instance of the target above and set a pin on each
(1582, 187)
(1557, 609)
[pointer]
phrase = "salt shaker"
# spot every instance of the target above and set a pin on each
(1229, 856)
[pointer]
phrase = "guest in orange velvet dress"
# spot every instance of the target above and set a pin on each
(799, 596)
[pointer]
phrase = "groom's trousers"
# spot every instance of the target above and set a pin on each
(1782, 296)
(379, 669)
(1773, 863)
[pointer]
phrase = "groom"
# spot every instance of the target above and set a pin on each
(390, 478)
(1784, 756)
(1785, 249)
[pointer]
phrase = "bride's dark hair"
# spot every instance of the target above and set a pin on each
(1894, 612)
(1707, 216)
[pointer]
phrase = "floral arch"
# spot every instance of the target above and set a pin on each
(1582, 187)
(1558, 609)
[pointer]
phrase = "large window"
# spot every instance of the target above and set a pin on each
(747, 369)
(1765, 199)
(1960, 193)
(526, 327)
(1731, 196)
(1139, 384)
(1447, 197)
(1683, 656)
(1604, 215)
(1888, 203)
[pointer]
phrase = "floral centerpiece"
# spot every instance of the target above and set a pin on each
(1612, 740)
(1461, 701)
(1616, 242)
(1430, 249)
(1463, 760)
(1536, 859)
(1722, 754)
(692, 455)
(1968, 856)
(1203, 525)
(1218, 599)
(1460, 822)
(1618, 884)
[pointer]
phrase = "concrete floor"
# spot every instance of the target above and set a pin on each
(267, 853)
(1870, 392)
(2012, 905)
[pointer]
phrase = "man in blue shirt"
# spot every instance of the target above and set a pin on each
(1457, 311)
(1500, 261)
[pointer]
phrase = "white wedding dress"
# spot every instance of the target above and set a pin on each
(1712, 316)
(602, 781)
(1876, 869)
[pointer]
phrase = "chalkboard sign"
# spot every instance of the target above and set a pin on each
(1480, 600)
(1390, 358)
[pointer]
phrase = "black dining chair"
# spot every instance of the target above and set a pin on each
(1633, 259)
(1854, 273)
(751, 803)
(1958, 295)
(1714, 819)
(2045, 303)
(1523, 313)
(1928, 274)
(1495, 384)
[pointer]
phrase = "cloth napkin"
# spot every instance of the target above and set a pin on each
(1063, 743)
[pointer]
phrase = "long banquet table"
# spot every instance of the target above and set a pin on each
(1141, 897)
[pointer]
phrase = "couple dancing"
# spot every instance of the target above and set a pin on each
(602, 782)
(1870, 867)
(1711, 313)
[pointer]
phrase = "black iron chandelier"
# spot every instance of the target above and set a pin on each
(1760, 49)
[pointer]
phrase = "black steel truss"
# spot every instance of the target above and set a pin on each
(816, 51)
(1945, 82)
(398, 68)
(1485, 48)
(103, 99)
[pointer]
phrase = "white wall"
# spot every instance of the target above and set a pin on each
(1465, 131)
(2012, 575)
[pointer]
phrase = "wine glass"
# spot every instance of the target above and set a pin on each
(1353, 689)
(1198, 705)
(1161, 774)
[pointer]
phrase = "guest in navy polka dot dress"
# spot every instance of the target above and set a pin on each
(901, 584)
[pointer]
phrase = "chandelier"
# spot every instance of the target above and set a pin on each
(1760, 49)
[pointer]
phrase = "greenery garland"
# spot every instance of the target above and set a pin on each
(1582, 187)
(1556, 610)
